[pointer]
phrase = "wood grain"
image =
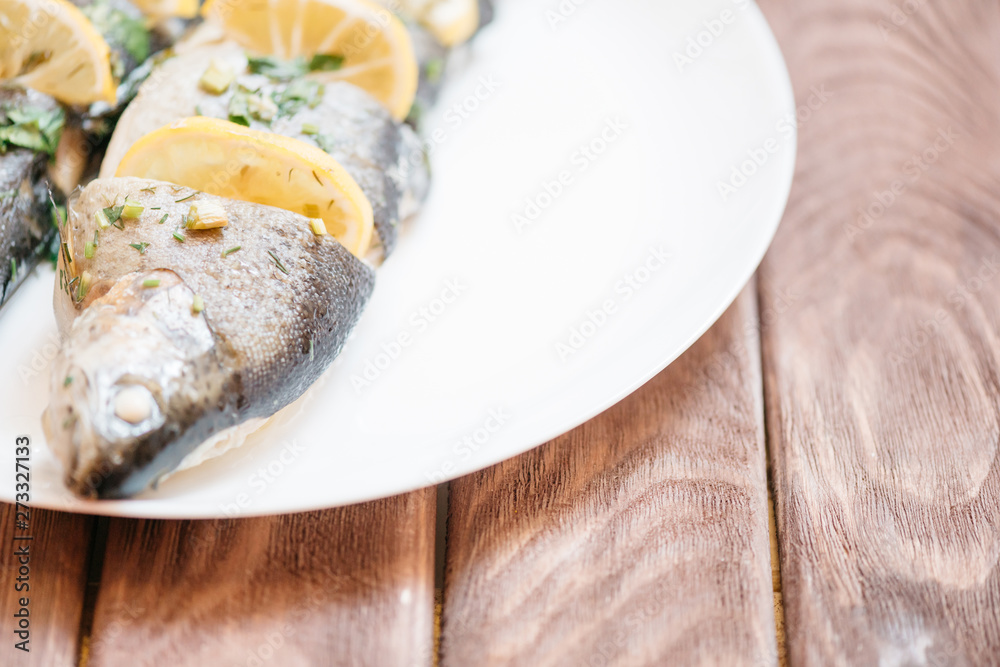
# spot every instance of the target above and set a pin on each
(640, 538)
(351, 586)
(57, 585)
(882, 381)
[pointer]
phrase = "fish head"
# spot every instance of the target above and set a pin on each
(132, 386)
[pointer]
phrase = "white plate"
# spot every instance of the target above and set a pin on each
(485, 377)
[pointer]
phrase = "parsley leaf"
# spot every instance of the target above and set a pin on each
(31, 127)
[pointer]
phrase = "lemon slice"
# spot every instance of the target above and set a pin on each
(450, 21)
(185, 9)
(49, 45)
(374, 44)
(230, 160)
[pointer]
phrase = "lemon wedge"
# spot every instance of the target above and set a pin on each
(49, 45)
(230, 160)
(375, 48)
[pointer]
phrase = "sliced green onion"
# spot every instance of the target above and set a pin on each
(309, 128)
(151, 282)
(217, 78)
(317, 226)
(13, 269)
(197, 304)
(164, 218)
(132, 209)
(227, 253)
(102, 220)
(88, 250)
(179, 236)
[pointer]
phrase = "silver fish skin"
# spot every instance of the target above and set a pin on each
(384, 157)
(142, 379)
(26, 227)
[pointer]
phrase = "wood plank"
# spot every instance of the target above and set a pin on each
(57, 581)
(882, 383)
(350, 586)
(639, 538)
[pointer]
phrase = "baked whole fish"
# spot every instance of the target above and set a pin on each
(167, 343)
(386, 158)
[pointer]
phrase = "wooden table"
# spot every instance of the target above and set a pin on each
(858, 378)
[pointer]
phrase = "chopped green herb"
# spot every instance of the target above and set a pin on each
(197, 304)
(132, 209)
(297, 94)
(119, 29)
(433, 69)
(286, 70)
(88, 250)
(178, 201)
(179, 236)
(309, 129)
(164, 218)
(13, 269)
(68, 381)
(155, 208)
(151, 282)
(141, 247)
(227, 253)
(150, 190)
(66, 255)
(96, 234)
(277, 262)
(113, 214)
(239, 109)
(246, 105)
(325, 63)
(31, 127)
(278, 69)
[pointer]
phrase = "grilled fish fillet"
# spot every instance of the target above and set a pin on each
(384, 157)
(143, 379)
